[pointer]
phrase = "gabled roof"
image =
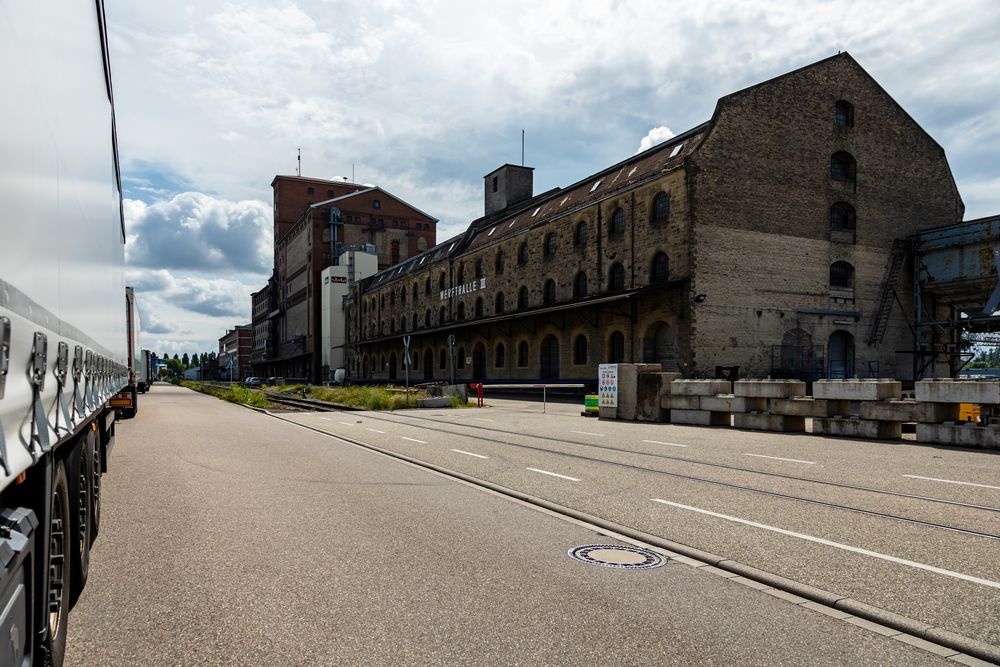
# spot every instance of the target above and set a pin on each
(367, 190)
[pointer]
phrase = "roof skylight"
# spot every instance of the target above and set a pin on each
(596, 185)
(677, 149)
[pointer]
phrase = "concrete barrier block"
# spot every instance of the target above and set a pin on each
(434, 402)
(960, 435)
(766, 421)
(699, 417)
(858, 390)
(802, 406)
(604, 412)
(769, 388)
(731, 403)
(652, 389)
(908, 410)
(857, 428)
(674, 402)
(700, 387)
(668, 379)
(628, 388)
(979, 392)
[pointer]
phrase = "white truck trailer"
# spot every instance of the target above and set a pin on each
(63, 340)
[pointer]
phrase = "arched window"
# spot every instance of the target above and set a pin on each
(441, 280)
(392, 298)
(660, 270)
(461, 311)
(842, 217)
(479, 307)
(460, 360)
(413, 319)
(479, 268)
(441, 315)
(549, 295)
(841, 275)
(427, 285)
(460, 276)
(843, 114)
(394, 252)
(616, 277)
(550, 244)
(499, 359)
(381, 300)
(443, 359)
(402, 295)
(522, 254)
(580, 286)
(522, 298)
(500, 262)
(427, 317)
(843, 167)
(660, 209)
(415, 358)
(617, 226)
(392, 325)
(416, 293)
(522, 353)
(616, 348)
(580, 350)
(580, 234)
(498, 304)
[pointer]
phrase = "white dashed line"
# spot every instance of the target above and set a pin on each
(326, 419)
(951, 481)
(347, 423)
(478, 456)
(669, 444)
(483, 419)
(375, 430)
(600, 435)
(778, 458)
(554, 474)
(837, 545)
(413, 440)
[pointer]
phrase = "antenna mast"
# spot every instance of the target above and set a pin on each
(299, 168)
(522, 148)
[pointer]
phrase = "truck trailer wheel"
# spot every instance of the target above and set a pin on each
(81, 478)
(59, 568)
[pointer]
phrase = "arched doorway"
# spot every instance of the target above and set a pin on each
(479, 362)
(660, 347)
(549, 366)
(840, 355)
(428, 364)
(392, 366)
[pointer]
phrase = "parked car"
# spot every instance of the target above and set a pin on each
(252, 382)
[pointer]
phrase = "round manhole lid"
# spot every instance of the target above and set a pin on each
(618, 556)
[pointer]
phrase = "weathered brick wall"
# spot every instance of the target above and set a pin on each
(761, 195)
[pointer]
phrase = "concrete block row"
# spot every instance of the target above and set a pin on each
(700, 387)
(802, 406)
(852, 427)
(700, 417)
(960, 435)
(979, 392)
(766, 421)
(769, 388)
(909, 410)
(858, 390)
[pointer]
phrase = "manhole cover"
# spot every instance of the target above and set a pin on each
(619, 556)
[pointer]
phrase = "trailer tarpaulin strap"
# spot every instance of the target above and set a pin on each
(61, 371)
(39, 425)
(77, 373)
(3, 451)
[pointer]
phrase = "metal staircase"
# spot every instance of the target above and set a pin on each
(900, 250)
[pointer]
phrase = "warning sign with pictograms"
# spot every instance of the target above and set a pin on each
(607, 385)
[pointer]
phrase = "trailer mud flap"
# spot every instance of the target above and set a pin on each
(16, 585)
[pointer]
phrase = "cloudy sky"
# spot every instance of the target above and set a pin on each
(423, 97)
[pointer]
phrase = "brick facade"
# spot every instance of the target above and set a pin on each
(750, 242)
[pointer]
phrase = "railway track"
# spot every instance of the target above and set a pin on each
(408, 419)
(303, 403)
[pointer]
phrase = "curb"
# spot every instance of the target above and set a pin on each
(941, 636)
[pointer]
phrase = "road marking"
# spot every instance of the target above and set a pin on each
(478, 456)
(951, 481)
(326, 419)
(837, 545)
(601, 435)
(670, 444)
(554, 474)
(413, 440)
(347, 423)
(483, 419)
(375, 430)
(778, 458)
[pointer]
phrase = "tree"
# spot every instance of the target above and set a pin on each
(174, 368)
(186, 361)
(176, 358)
(195, 361)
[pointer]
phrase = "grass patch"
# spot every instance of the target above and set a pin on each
(233, 393)
(370, 398)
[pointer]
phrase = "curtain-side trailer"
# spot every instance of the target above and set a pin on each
(63, 339)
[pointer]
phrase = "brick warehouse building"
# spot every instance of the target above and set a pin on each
(763, 238)
(286, 312)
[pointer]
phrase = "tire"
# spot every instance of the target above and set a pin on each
(80, 475)
(59, 569)
(95, 498)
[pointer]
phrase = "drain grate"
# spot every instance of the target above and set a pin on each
(618, 556)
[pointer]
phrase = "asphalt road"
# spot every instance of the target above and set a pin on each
(808, 508)
(232, 537)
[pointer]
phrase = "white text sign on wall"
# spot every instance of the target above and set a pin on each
(467, 288)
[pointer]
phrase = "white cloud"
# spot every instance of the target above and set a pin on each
(655, 136)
